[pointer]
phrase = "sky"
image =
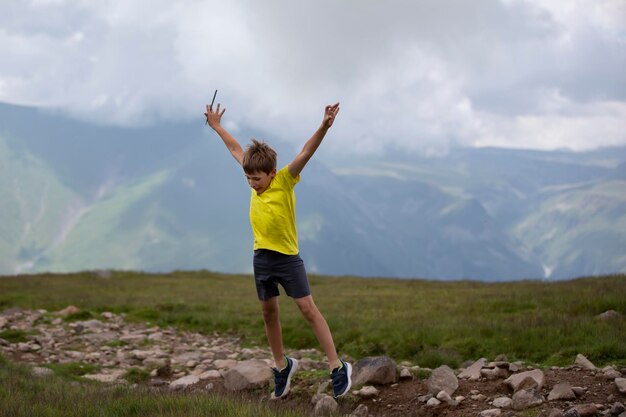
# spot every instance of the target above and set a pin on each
(415, 76)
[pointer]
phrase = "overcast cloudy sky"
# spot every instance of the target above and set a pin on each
(417, 75)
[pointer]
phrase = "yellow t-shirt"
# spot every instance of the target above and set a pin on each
(273, 215)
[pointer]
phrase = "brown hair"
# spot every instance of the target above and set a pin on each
(259, 157)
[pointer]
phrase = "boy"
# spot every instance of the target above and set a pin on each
(276, 259)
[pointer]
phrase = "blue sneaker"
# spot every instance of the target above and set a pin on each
(341, 379)
(282, 379)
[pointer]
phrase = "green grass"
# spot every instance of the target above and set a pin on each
(426, 322)
(22, 395)
(15, 336)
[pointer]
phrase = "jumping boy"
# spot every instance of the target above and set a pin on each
(276, 256)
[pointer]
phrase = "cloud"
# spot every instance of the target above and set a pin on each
(420, 76)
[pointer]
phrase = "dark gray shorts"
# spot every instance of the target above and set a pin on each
(272, 268)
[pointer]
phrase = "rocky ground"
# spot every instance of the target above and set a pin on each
(168, 359)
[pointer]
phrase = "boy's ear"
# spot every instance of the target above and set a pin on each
(273, 173)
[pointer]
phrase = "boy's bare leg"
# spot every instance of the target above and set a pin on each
(273, 330)
(312, 314)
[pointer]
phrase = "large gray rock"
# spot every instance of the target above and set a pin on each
(375, 370)
(360, 411)
(524, 399)
(515, 380)
(581, 410)
(442, 379)
(473, 371)
(247, 374)
(494, 412)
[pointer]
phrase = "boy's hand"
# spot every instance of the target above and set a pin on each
(329, 115)
(213, 118)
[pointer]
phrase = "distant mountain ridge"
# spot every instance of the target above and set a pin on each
(79, 196)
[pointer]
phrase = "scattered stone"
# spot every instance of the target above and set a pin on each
(367, 391)
(478, 397)
(579, 391)
(405, 374)
(495, 373)
(444, 397)
(502, 402)
(39, 371)
(609, 315)
(621, 384)
(524, 399)
(610, 373)
(210, 374)
(584, 363)
(380, 370)
(555, 412)
(360, 411)
(617, 409)
(424, 398)
(473, 371)
(561, 391)
(68, 310)
(326, 406)
(184, 382)
(247, 374)
(514, 381)
(224, 364)
(582, 410)
(494, 412)
(112, 376)
(442, 378)
(433, 402)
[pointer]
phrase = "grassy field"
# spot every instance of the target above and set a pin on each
(21, 395)
(426, 322)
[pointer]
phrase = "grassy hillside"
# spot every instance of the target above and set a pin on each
(427, 322)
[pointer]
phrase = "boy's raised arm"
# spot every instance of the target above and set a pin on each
(214, 118)
(311, 145)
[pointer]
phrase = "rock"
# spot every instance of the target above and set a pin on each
(473, 371)
(502, 402)
(405, 374)
(68, 310)
(133, 338)
(374, 370)
(515, 380)
(442, 378)
(112, 376)
(247, 374)
(582, 410)
(184, 382)
(561, 391)
(424, 398)
(617, 409)
(584, 363)
(611, 374)
(609, 315)
(579, 391)
(326, 406)
(495, 373)
(368, 392)
(224, 364)
(39, 371)
(444, 397)
(555, 412)
(494, 412)
(621, 384)
(524, 399)
(3, 322)
(433, 402)
(360, 411)
(210, 374)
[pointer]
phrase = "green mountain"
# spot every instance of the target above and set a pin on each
(79, 196)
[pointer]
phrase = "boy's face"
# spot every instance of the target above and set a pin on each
(259, 181)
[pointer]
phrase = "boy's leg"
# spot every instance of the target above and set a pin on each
(273, 330)
(312, 314)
